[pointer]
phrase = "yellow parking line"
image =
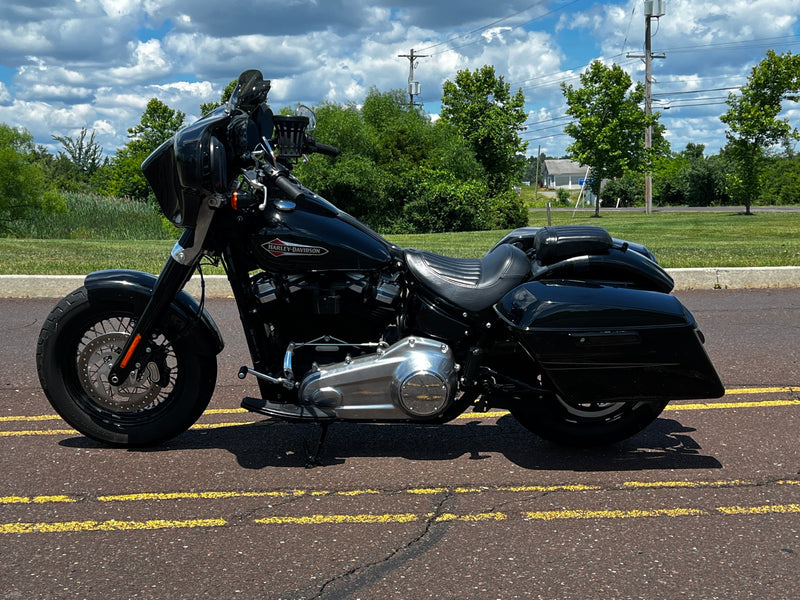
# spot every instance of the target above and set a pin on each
(732, 405)
(296, 493)
(29, 432)
(763, 390)
(552, 515)
(336, 519)
(81, 526)
(760, 510)
(366, 518)
(29, 418)
(688, 484)
(467, 415)
(35, 499)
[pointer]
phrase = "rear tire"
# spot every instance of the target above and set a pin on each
(77, 345)
(585, 424)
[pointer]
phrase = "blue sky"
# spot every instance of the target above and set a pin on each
(68, 64)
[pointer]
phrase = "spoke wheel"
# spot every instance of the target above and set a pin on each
(585, 423)
(161, 398)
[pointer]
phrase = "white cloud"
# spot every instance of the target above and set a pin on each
(119, 8)
(494, 33)
(100, 61)
(148, 61)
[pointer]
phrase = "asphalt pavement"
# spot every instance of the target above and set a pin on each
(704, 504)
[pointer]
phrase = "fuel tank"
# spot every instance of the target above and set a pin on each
(314, 235)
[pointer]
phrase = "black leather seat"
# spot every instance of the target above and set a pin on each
(470, 283)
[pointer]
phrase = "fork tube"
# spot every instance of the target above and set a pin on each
(173, 277)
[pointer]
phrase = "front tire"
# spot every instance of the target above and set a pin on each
(79, 342)
(585, 424)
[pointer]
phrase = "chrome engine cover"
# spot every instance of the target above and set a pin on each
(413, 378)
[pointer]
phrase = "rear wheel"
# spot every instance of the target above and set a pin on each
(79, 342)
(585, 423)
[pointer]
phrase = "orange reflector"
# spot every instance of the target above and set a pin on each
(235, 200)
(136, 339)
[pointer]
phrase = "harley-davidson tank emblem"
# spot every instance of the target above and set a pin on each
(278, 247)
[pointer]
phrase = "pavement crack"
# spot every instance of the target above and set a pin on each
(344, 585)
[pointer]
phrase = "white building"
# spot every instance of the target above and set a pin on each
(563, 173)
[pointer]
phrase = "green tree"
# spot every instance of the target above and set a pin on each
(159, 122)
(86, 155)
(608, 124)
(74, 168)
(689, 178)
(627, 190)
(207, 107)
(780, 183)
(754, 124)
(398, 172)
(23, 185)
(483, 111)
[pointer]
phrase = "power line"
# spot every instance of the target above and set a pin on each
(720, 89)
(482, 28)
(671, 106)
(754, 43)
(547, 120)
(492, 24)
(547, 137)
(573, 75)
(543, 129)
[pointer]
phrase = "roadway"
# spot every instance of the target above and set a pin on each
(705, 503)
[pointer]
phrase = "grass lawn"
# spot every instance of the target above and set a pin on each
(688, 239)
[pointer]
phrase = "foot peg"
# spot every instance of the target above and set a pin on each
(244, 370)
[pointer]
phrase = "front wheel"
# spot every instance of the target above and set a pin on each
(164, 396)
(585, 424)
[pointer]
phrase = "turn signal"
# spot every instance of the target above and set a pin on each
(241, 199)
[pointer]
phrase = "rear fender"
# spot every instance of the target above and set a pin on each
(185, 313)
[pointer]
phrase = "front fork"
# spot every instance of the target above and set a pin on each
(176, 272)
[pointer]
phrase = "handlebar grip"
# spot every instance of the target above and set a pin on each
(326, 149)
(294, 192)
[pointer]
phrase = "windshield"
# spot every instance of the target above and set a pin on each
(251, 90)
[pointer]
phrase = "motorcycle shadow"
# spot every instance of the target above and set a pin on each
(665, 444)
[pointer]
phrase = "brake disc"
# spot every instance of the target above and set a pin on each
(95, 360)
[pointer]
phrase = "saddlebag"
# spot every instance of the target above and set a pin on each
(598, 343)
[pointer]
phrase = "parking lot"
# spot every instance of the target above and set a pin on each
(705, 503)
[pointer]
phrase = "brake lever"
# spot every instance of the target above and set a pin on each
(252, 178)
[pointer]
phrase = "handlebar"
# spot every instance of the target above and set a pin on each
(325, 149)
(287, 186)
(313, 146)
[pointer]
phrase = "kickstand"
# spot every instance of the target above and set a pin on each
(313, 461)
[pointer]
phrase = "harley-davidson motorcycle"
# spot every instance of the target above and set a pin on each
(573, 332)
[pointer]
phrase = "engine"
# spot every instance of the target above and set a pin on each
(357, 309)
(413, 378)
(340, 338)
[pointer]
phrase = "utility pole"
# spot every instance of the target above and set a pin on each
(413, 86)
(652, 9)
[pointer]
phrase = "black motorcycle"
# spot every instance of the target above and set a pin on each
(573, 332)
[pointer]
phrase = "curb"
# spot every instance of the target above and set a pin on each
(708, 278)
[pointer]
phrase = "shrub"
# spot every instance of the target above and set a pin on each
(92, 216)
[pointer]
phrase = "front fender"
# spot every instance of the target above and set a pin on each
(185, 313)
